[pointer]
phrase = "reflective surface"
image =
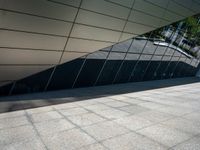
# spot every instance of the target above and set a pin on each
(165, 53)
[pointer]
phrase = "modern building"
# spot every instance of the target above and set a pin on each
(60, 44)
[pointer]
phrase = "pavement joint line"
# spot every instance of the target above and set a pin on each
(108, 120)
(78, 127)
(85, 146)
(13, 116)
(36, 131)
(161, 123)
(171, 148)
(15, 127)
(97, 113)
(129, 102)
(71, 115)
(134, 131)
(176, 105)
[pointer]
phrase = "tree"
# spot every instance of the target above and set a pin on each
(193, 28)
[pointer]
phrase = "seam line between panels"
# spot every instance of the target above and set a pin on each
(54, 69)
(129, 45)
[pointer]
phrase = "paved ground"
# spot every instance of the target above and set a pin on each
(163, 118)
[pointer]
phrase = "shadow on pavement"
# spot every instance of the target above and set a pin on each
(26, 101)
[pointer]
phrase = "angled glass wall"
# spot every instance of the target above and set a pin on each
(168, 52)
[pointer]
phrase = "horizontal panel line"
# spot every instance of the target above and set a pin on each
(134, 9)
(88, 25)
(99, 27)
(183, 6)
(29, 49)
(152, 15)
(55, 19)
(117, 4)
(39, 16)
(165, 8)
(25, 65)
(81, 23)
(30, 32)
(107, 14)
(39, 33)
(86, 10)
(152, 4)
(56, 2)
(92, 40)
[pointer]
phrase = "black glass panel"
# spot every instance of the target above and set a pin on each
(109, 72)
(65, 75)
(34, 83)
(125, 71)
(139, 71)
(150, 70)
(159, 73)
(89, 72)
(178, 70)
(170, 68)
(4, 90)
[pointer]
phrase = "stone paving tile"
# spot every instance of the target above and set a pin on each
(39, 110)
(183, 125)
(87, 102)
(73, 111)
(176, 111)
(151, 105)
(50, 115)
(134, 109)
(118, 97)
(95, 146)
(147, 98)
(105, 130)
(65, 106)
(193, 105)
(104, 99)
(67, 140)
(112, 113)
(195, 116)
(116, 104)
(155, 116)
(153, 119)
(138, 94)
(97, 107)
(133, 123)
(192, 144)
(165, 135)
(132, 141)
(167, 102)
(13, 122)
(33, 144)
(53, 126)
(17, 134)
(12, 114)
(133, 101)
(86, 119)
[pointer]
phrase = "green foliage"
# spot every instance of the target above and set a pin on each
(192, 26)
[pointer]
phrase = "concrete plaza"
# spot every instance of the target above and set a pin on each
(166, 115)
